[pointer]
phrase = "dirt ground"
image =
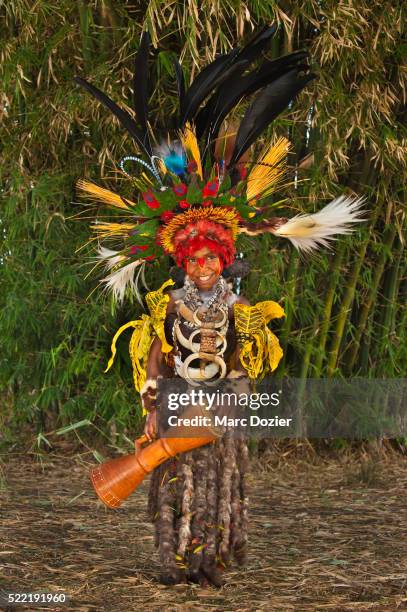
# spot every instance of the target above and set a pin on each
(325, 535)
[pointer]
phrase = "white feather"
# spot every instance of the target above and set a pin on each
(309, 232)
(118, 281)
(109, 258)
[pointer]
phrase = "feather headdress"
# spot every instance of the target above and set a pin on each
(201, 175)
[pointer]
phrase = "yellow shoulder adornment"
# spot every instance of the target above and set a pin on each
(145, 329)
(157, 304)
(260, 350)
(139, 348)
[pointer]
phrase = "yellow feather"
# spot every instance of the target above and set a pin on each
(190, 144)
(268, 170)
(162, 168)
(102, 195)
(146, 178)
(109, 230)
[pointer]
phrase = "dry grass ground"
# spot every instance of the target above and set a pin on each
(325, 535)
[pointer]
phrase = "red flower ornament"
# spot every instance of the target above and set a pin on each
(211, 189)
(180, 190)
(184, 204)
(137, 248)
(150, 200)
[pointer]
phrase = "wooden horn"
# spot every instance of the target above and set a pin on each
(116, 479)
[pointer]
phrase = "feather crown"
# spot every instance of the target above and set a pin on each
(177, 184)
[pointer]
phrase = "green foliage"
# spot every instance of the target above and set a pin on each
(345, 310)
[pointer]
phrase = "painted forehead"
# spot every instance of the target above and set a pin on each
(202, 252)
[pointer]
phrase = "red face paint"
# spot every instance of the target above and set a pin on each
(203, 268)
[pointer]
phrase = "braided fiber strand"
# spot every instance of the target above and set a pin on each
(240, 544)
(209, 552)
(165, 522)
(198, 541)
(185, 493)
(224, 510)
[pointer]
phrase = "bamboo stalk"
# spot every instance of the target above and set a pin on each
(364, 352)
(390, 293)
(306, 359)
(369, 302)
(387, 329)
(85, 19)
(334, 273)
(362, 175)
(401, 282)
(347, 301)
(290, 285)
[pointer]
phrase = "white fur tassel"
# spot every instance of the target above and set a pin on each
(309, 232)
(118, 281)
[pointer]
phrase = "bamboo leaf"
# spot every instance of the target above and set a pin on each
(68, 428)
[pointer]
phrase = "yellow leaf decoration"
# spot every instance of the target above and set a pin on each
(145, 330)
(260, 349)
(157, 304)
(139, 349)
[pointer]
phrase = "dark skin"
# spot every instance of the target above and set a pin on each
(204, 269)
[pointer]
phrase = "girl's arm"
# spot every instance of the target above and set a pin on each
(149, 390)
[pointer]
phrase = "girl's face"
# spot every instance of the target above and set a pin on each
(204, 268)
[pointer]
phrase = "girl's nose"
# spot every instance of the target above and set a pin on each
(201, 262)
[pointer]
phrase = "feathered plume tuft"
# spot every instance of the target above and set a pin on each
(109, 258)
(112, 230)
(309, 232)
(190, 143)
(118, 281)
(103, 195)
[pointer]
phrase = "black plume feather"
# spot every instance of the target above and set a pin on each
(226, 97)
(256, 45)
(223, 68)
(265, 108)
(140, 88)
(123, 116)
(203, 84)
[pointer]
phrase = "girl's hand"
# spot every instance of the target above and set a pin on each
(150, 427)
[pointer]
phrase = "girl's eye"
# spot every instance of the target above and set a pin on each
(192, 260)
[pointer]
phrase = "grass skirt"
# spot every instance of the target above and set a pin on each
(198, 504)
